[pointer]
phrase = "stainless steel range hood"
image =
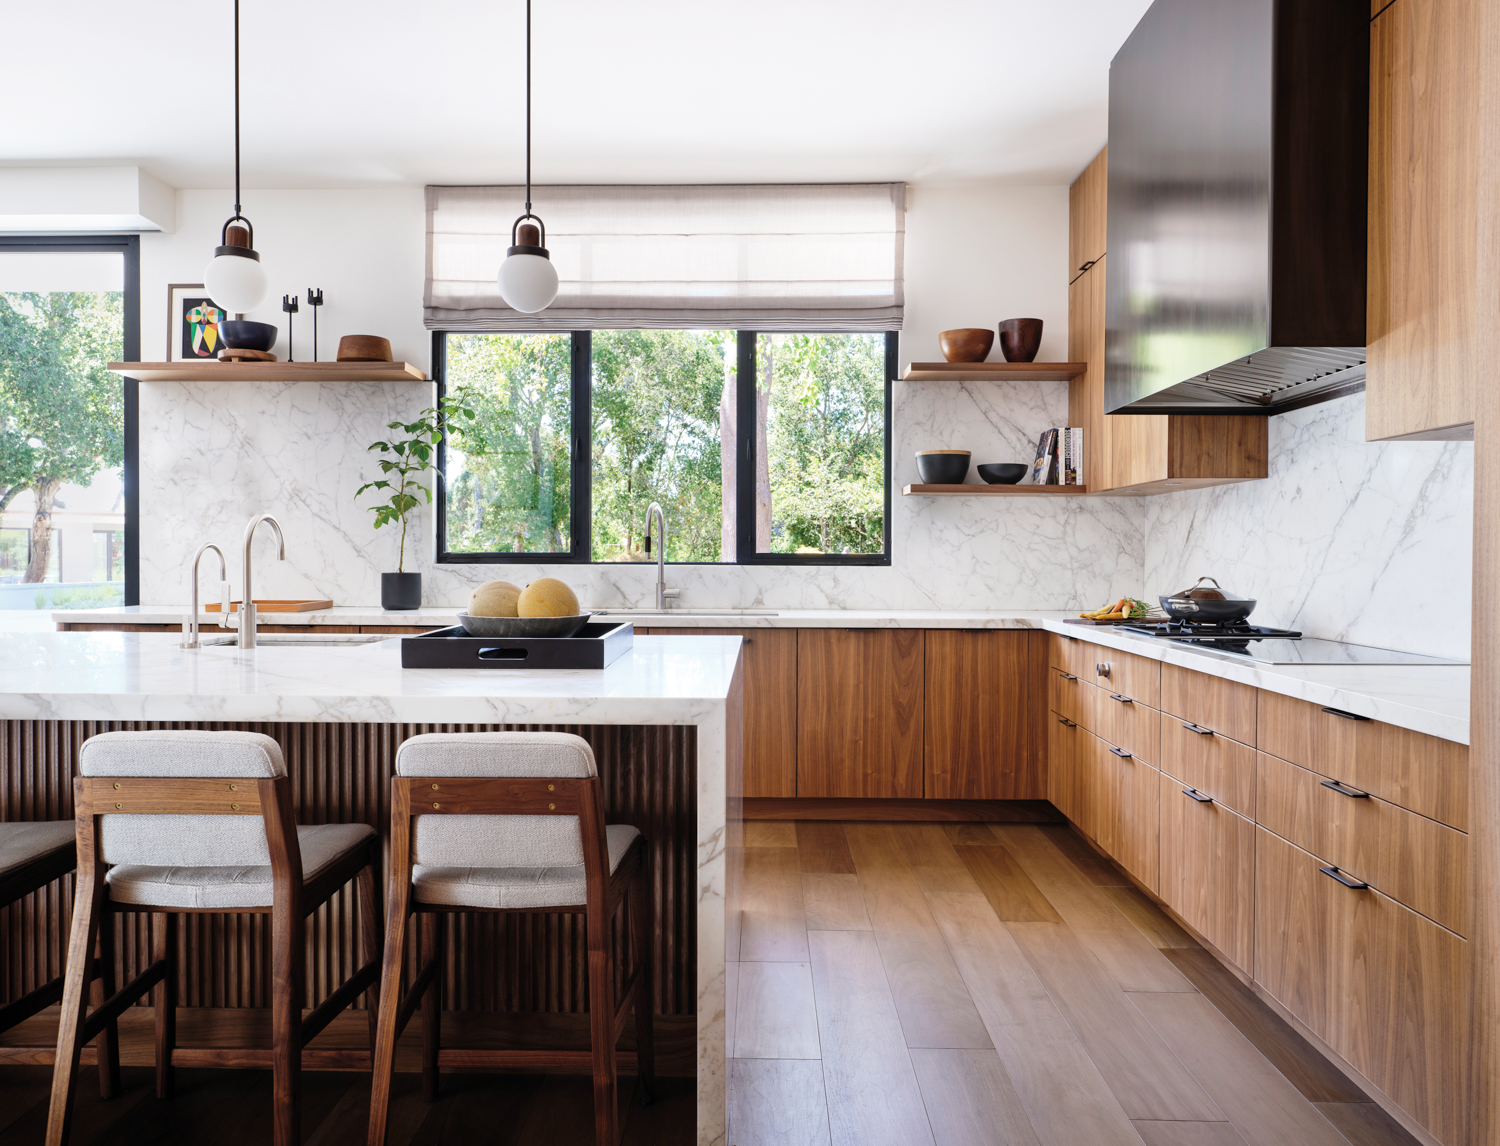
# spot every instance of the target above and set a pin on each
(1238, 153)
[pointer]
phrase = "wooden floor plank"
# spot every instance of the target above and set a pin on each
(22, 1088)
(834, 902)
(1366, 1124)
(777, 1102)
(204, 1101)
(935, 1007)
(770, 834)
(1006, 885)
(968, 833)
(1144, 1075)
(776, 1017)
(970, 1100)
(92, 1115)
(873, 1097)
(1264, 1107)
(559, 1113)
(822, 847)
(1312, 1074)
(1127, 955)
(1188, 1134)
(1155, 924)
(1094, 867)
(670, 1120)
(772, 927)
(1061, 1090)
(348, 1123)
(933, 859)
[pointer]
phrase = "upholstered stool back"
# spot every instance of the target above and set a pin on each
(497, 841)
(183, 840)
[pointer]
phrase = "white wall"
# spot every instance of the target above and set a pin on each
(212, 454)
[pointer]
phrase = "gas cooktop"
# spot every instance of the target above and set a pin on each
(1279, 646)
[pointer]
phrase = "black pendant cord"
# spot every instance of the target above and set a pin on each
(528, 103)
(237, 107)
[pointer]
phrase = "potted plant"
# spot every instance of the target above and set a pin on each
(407, 458)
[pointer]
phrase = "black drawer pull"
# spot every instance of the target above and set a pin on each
(1121, 755)
(1345, 790)
(1197, 795)
(1198, 728)
(1066, 723)
(1352, 884)
(1121, 699)
(1066, 675)
(1345, 715)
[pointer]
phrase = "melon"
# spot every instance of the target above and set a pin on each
(495, 599)
(548, 597)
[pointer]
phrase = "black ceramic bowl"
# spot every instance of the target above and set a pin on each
(943, 467)
(246, 335)
(1002, 473)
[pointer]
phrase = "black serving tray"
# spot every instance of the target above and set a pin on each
(595, 646)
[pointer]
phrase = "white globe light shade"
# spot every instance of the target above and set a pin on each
(236, 283)
(528, 283)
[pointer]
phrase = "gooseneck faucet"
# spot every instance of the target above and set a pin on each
(247, 605)
(190, 626)
(662, 592)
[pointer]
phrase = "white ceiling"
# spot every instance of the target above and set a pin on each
(379, 92)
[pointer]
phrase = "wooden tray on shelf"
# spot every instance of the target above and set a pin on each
(274, 606)
(1149, 619)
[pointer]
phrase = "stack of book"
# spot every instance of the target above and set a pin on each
(1059, 457)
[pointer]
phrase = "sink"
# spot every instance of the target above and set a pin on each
(303, 640)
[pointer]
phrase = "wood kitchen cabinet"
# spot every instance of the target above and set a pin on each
(860, 706)
(1425, 143)
(1208, 868)
(770, 706)
(1138, 453)
(985, 700)
(1137, 827)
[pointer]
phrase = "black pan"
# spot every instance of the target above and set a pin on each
(1207, 610)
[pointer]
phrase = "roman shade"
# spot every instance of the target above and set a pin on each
(825, 257)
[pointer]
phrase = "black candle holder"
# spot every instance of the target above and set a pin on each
(289, 304)
(315, 300)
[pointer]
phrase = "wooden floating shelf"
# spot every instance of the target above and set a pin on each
(994, 490)
(215, 371)
(994, 371)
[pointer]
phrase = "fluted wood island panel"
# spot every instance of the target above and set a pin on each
(341, 774)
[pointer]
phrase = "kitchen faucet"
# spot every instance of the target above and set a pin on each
(190, 626)
(247, 605)
(662, 592)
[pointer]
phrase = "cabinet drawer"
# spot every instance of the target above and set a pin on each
(1127, 674)
(1127, 724)
(1416, 861)
(1224, 706)
(1098, 791)
(1071, 655)
(1137, 828)
(1071, 696)
(1065, 743)
(1423, 773)
(1215, 765)
(1385, 987)
(1208, 870)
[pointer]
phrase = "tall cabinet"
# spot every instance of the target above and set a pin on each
(1137, 453)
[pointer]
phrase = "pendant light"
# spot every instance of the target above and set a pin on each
(234, 278)
(527, 278)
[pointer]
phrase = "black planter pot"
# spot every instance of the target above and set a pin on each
(401, 590)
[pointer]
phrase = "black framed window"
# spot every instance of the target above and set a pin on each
(763, 448)
(69, 430)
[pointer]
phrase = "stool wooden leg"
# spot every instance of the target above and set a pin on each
(369, 928)
(164, 947)
(642, 908)
(398, 914)
(432, 1004)
(87, 903)
(108, 1042)
(286, 1028)
(602, 1028)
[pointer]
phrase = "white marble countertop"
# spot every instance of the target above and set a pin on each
(148, 676)
(1424, 698)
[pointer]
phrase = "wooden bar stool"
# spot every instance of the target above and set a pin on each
(176, 822)
(512, 822)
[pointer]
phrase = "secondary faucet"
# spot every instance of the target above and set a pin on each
(247, 605)
(190, 626)
(662, 592)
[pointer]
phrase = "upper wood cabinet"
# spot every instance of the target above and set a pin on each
(859, 713)
(1086, 211)
(1138, 453)
(983, 737)
(1425, 141)
(770, 706)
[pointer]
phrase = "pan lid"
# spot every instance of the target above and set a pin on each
(1200, 592)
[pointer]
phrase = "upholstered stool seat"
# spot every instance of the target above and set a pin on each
(515, 888)
(23, 844)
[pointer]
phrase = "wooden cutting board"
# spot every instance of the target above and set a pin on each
(1150, 619)
(275, 606)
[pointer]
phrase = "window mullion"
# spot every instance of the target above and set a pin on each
(744, 448)
(583, 448)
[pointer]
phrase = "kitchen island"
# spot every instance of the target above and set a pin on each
(664, 720)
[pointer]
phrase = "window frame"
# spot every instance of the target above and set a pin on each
(581, 468)
(129, 248)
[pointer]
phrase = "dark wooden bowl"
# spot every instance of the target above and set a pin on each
(967, 345)
(1020, 339)
(1002, 473)
(364, 348)
(943, 467)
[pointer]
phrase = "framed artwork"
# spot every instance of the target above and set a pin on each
(192, 323)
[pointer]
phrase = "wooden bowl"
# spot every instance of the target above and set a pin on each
(967, 345)
(364, 348)
(1020, 339)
